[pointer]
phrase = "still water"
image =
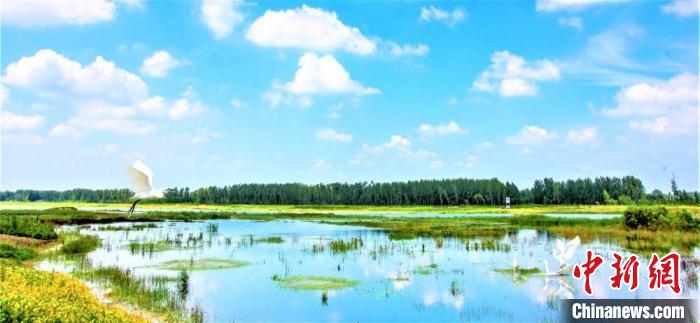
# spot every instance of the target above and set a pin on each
(461, 284)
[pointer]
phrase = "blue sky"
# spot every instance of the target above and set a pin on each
(223, 92)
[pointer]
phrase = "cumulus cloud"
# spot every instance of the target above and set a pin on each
(557, 5)
(530, 135)
(450, 128)
(221, 16)
(571, 22)
(43, 13)
(159, 64)
(583, 137)
(11, 121)
(330, 134)
(188, 105)
(511, 75)
(50, 74)
(324, 75)
(681, 8)
(104, 96)
(398, 146)
(662, 108)
(646, 99)
(449, 18)
(308, 28)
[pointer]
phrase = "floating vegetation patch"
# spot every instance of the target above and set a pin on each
(323, 283)
(270, 240)
(342, 246)
(201, 264)
(427, 270)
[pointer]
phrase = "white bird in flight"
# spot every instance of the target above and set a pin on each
(142, 183)
(563, 252)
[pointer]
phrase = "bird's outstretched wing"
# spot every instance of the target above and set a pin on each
(141, 177)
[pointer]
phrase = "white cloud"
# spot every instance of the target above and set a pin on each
(221, 16)
(645, 99)
(511, 75)
(395, 50)
(308, 28)
(556, 5)
(324, 75)
(50, 74)
(582, 137)
(277, 96)
(681, 8)
(330, 134)
(76, 126)
(485, 145)
(321, 164)
(450, 128)
(530, 135)
(571, 22)
(10, 121)
(64, 130)
(43, 13)
(4, 93)
(436, 14)
(436, 164)
(468, 161)
(187, 106)
(159, 64)
(237, 103)
(397, 142)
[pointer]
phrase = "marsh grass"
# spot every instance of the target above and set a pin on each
(432, 269)
(16, 253)
(30, 227)
(518, 271)
(201, 264)
(148, 248)
(150, 294)
(135, 227)
(275, 239)
(322, 283)
(76, 244)
(342, 246)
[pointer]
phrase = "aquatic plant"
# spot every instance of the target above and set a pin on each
(518, 271)
(79, 244)
(342, 246)
(143, 248)
(323, 283)
(135, 227)
(212, 228)
(149, 294)
(324, 298)
(29, 295)
(428, 269)
(183, 284)
(201, 264)
(275, 239)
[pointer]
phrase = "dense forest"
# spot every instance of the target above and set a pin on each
(601, 190)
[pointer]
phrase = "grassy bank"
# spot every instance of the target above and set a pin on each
(471, 209)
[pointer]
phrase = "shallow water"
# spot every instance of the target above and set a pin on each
(464, 287)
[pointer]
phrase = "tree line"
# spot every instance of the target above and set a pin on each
(461, 191)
